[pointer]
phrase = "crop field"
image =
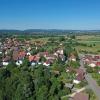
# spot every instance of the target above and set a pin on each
(92, 42)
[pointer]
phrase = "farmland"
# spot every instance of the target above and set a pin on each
(92, 43)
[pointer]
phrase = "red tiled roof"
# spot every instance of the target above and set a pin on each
(22, 54)
(98, 64)
(97, 57)
(33, 58)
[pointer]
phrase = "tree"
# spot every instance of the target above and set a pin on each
(26, 87)
(4, 73)
(25, 64)
(42, 93)
(62, 38)
(89, 69)
(73, 37)
(42, 59)
(51, 39)
(11, 66)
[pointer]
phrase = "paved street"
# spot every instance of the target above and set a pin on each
(92, 83)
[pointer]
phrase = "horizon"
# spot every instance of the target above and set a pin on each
(49, 14)
(52, 29)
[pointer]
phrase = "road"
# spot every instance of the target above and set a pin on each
(91, 82)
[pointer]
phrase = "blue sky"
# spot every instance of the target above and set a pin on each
(50, 14)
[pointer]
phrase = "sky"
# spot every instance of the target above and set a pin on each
(50, 14)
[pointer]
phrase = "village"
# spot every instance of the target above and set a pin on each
(72, 76)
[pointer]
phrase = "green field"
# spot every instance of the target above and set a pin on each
(92, 42)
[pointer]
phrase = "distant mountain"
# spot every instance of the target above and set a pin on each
(10, 31)
(43, 31)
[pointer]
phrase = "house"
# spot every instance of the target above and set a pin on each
(55, 54)
(18, 56)
(92, 65)
(19, 62)
(0, 52)
(39, 63)
(36, 58)
(15, 55)
(97, 57)
(5, 61)
(47, 63)
(80, 96)
(72, 57)
(98, 63)
(79, 76)
(51, 56)
(33, 63)
(33, 60)
(62, 57)
(92, 60)
(60, 51)
(28, 53)
(22, 54)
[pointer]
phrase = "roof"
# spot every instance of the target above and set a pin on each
(7, 58)
(47, 62)
(15, 55)
(18, 55)
(81, 96)
(98, 64)
(51, 56)
(80, 74)
(97, 57)
(33, 58)
(80, 77)
(80, 71)
(22, 54)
